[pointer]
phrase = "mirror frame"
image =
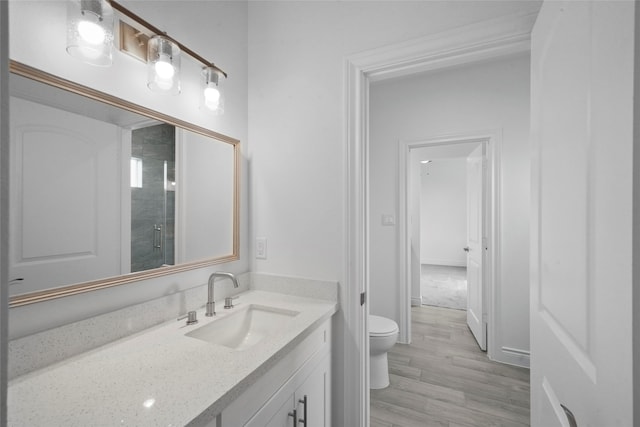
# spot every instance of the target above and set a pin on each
(78, 288)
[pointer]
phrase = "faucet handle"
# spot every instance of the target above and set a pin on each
(191, 318)
(228, 302)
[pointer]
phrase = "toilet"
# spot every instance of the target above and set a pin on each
(383, 334)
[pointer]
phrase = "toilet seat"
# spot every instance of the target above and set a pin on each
(381, 326)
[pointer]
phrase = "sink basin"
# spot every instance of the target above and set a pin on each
(244, 327)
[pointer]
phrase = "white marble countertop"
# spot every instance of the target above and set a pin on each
(158, 377)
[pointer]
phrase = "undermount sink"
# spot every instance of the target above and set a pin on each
(245, 327)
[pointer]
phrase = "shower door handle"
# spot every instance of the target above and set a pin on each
(466, 249)
(157, 236)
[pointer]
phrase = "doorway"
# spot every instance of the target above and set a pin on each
(474, 44)
(479, 150)
(442, 215)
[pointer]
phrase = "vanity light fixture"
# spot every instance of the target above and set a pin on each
(212, 96)
(163, 65)
(165, 57)
(90, 37)
(90, 31)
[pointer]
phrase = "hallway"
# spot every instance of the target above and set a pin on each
(443, 379)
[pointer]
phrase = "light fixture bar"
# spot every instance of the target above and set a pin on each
(129, 14)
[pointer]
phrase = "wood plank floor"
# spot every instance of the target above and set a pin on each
(443, 379)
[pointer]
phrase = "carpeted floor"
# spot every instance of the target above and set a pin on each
(444, 286)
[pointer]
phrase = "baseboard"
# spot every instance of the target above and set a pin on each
(416, 301)
(514, 356)
(446, 262)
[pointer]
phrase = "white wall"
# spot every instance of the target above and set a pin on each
(216, 30)
(443, 212)
(297, 123)
(206, 204)
(493, 95)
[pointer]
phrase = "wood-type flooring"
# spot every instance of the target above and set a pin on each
(443, 379)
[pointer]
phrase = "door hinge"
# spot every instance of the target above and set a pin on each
(363, 297)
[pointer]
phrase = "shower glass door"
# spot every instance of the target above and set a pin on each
(152, 197)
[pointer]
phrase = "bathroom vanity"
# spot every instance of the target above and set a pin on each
(253, 364)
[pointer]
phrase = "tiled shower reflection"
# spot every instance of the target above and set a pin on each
(153, 197)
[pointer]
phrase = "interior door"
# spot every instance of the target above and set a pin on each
(474, 249)
(65, 193)
(582, 135)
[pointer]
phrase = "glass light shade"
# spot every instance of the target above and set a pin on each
(163, 65)
(212, 94)
(90, 31)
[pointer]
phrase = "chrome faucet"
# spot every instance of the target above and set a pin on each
(211, 304)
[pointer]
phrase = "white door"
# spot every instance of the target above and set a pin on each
(581, 241)
(65, 197)
(475, 250)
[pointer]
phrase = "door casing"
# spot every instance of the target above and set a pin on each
(493, 142)
(496, 38)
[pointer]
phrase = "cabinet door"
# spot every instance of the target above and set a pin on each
(283, 416)
(274, 413)
(316, 389)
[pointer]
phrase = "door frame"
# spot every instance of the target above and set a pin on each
(489, 39)
(492, 140)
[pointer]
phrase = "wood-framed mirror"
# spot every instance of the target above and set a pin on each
(104, 192)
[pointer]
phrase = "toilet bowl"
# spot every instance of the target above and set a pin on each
(383, 334)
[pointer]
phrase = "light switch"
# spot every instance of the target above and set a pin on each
(261, 248)
(388, 220)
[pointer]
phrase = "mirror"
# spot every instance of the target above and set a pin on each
(104, 192)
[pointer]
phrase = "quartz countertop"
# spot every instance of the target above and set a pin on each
(158, 377)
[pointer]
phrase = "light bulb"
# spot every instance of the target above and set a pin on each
(91, 32)
(163, 84)
(212, 98)
(164, 69)
(163, 66)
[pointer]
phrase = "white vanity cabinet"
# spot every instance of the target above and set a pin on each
(304, 371)
(308, 405)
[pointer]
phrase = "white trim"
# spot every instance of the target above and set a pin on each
(404, 245)
(490, 39)
(516, 357)
(4, 206)
(517, 351)
(355, 390)
(481, 41)
(445, 262)
(416, 302)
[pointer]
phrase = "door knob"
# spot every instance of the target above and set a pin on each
(466, 249)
